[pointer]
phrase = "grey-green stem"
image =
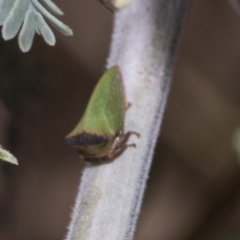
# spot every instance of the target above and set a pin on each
(144, 42)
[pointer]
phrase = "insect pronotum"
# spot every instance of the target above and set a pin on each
(100, 136)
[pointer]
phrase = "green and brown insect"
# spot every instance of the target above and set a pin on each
(100, 136)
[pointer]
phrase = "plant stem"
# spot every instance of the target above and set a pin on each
(144, 42)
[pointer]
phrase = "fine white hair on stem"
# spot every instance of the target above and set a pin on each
(144, 42)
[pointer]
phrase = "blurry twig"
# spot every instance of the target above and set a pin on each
(235, 5)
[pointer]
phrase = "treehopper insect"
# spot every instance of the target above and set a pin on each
(100, 136)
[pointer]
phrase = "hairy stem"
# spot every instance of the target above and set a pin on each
(144, 42)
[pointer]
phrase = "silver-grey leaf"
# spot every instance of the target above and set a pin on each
(51, 6)
(15, 18)
(7, 156)
(54, 21)
(45, 30)
(5, 8)
(32, 16)
(27, 32)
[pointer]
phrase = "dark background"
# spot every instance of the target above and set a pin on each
(193, 192)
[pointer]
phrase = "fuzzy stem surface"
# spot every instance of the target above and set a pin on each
(144, 42)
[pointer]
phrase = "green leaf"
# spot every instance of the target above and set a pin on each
(15, 18)
(5, 8)
(7, 156)
(45, 30)
(52, 7)
(30, 15)
(27, 32)
(54, 21)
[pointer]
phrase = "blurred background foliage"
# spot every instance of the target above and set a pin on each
(21, 78)
(193, 191)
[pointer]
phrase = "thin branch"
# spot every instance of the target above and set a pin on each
(144, 44)
(235, 4)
